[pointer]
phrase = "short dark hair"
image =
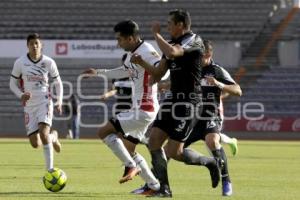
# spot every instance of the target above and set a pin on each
(33, 36)
(183, 16)
(127, 28)
(208, 46)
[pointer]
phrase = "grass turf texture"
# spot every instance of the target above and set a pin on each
(262, 170)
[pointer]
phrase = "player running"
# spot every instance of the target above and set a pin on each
(32, 71)
(124, 131)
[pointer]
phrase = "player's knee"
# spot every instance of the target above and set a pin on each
(103, 132)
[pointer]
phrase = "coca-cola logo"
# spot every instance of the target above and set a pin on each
(296, 125)
(264, 125)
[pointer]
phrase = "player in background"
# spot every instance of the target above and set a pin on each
(164, 87)
(232, 142)
(175, 120)
(215, 80)
(123, 132)
(33, 71)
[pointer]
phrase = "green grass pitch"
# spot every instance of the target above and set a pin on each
(262, 170)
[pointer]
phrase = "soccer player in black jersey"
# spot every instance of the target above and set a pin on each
(214, 80)
(176, 118)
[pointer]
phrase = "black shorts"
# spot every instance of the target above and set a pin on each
(202, 128)
(176, 119)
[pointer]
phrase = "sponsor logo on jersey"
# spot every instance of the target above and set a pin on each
(34, 78)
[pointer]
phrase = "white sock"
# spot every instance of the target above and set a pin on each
(48, 154)
(146, 172)
(118, 148)
(225, 139)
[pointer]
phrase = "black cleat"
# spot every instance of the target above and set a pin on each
(214, 171)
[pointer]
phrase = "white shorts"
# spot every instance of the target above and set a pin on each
(37, 114)
(133, 123)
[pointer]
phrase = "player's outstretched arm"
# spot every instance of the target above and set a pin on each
(116, 73)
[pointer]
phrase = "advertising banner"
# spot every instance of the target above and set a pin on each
(266, 124)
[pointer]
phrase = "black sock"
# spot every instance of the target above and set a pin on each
(160, 170)
(220, 153)
(191, 157)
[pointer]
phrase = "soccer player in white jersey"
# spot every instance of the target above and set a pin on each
(29, 82)
(123, 132)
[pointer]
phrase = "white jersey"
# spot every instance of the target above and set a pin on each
(34, 77)
(144, 95)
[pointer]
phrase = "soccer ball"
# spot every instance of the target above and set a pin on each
(55, 180)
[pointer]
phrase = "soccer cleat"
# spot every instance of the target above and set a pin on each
(233, 146)
(140, 190)
(214, 171)
(226, 188)
(129, 173)
(164, 192)
(144, 190)
(55, 141)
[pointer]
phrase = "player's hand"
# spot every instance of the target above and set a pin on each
(25, 97)
(211, 81)
(155, 27)
(58, 108)
(89, 71)
(136, 59)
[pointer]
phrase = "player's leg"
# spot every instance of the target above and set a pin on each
(213, 142)
(44, 117)
(176, 151)
(159, 160)
(108, 134)
(232, 142)
(75, 126)
(55, 141)
(44, 130)
(35, 140)
(145, 173)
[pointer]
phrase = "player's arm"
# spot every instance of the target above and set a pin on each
(108, 94)
(232, 88)
(169, 50)
(156, 72)
(164, 85)
(59, 93)
(14, 84)
(116, 73)
(53, 71)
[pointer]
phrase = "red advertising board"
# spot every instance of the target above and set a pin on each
(265, 124)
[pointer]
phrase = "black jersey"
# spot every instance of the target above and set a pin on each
(185, 70)
(211, 94)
